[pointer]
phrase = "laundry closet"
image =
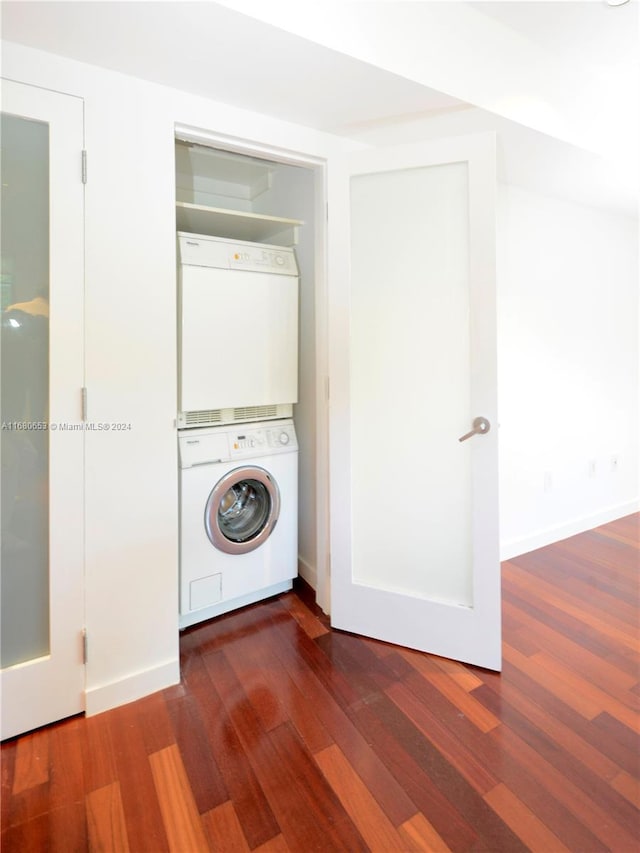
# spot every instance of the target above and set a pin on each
(246, 408)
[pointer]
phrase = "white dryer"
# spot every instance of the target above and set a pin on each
(238, 331)
(238, 516)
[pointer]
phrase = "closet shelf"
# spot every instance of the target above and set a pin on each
(236, 224)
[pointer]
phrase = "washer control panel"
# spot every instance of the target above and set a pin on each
(212, 445)
(265, 439)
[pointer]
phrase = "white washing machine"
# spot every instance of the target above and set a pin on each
(238, 516)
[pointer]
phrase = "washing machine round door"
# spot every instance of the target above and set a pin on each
(242, 510)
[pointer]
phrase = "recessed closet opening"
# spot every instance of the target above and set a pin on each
(241, 192)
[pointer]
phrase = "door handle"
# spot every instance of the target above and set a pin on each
(481, 426)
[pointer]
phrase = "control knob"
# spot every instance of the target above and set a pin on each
(284, 437)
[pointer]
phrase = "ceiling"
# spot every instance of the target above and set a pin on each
(587, 35)
(193, 46)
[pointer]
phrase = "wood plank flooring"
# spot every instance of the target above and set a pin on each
(287, 736)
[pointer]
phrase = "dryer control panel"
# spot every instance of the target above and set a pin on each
(202, 251)
(263, 260)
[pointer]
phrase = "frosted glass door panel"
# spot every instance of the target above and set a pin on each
(42, 436)
(24, 399)
(410, 382)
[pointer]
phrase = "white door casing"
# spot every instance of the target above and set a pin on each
(51, 686)
(414, 511)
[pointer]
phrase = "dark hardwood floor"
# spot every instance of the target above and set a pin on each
(287, 736)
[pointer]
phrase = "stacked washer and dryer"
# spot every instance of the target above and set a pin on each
(238, 378)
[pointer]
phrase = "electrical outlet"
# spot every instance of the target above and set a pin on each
(614, 461)
(592, 468)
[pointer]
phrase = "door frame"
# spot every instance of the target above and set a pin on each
(322, 175)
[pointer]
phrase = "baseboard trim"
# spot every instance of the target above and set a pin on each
(308, 572)
(516, 547)
(136, 686)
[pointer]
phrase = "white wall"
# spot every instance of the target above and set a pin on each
(568, 367)
(568, 329)
(131, 486)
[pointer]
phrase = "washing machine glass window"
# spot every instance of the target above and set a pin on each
(242, 510)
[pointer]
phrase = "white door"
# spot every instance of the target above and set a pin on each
(414, 510)
(42, 433)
